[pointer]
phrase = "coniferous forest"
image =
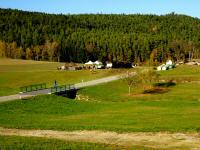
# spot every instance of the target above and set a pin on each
(107, 37)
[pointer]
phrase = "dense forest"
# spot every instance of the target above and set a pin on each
(107, 37)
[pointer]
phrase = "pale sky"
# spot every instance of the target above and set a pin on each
(187, 7)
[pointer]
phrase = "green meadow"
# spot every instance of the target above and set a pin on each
(182, 73)
(106, 107)
(17, 73)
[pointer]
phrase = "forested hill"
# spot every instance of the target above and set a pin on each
(78, 38)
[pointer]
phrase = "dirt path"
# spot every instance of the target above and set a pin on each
(148, 139)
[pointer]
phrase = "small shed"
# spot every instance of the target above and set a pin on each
(109, 65)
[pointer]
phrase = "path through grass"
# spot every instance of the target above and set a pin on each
(18, 73)
(171, 111)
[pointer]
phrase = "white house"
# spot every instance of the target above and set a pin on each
(98, 64)
(109, 65)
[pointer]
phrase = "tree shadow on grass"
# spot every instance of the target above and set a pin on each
(160, 88)
(156, 90)
(165, 84)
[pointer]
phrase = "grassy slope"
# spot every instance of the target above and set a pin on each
(19, 143)
(17, 73)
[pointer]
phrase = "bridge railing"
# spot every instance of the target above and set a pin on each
(55, 89)
(62, 88)
(33, 87)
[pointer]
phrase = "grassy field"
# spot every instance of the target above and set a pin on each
(182, 72)
(109, 108)
(17, 73)
(19, 143)
(103, 107)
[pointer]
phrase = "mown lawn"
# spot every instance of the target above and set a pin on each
(17, 73)
(31, 143)
(103, 107)
(108, 107)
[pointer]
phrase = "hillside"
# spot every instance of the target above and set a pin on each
(107, 37)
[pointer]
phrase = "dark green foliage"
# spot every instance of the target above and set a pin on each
(117, 38)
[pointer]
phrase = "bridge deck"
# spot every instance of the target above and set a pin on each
(62, 88)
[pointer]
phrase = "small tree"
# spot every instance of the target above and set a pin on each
(29, 53)
(131, 79)
(3, 49)
(149, 76)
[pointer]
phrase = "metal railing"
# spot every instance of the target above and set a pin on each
(33, 87)
(62, 88)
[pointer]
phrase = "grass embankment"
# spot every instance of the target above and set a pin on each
(17, 73)
(31, 143)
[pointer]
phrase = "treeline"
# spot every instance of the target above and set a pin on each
(116, 38)
(48, 51)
